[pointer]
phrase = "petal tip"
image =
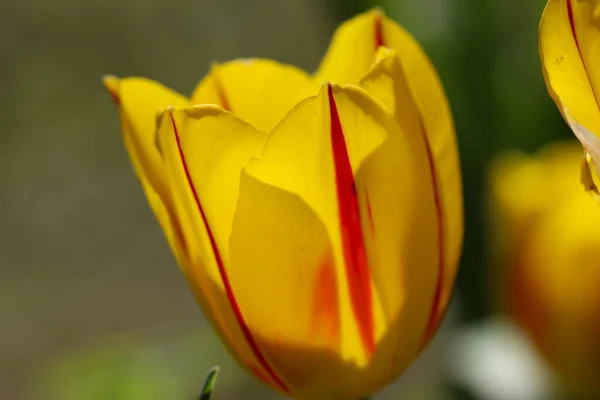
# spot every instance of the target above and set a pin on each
(326, 86)
(111, 83)
(378, 12)
(248, 61)
(109, 79)
(332, 86)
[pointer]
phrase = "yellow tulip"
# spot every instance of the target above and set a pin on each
(548, 248)
(570, 54)
(319, 225)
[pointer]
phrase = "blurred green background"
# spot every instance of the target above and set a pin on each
(91, 301)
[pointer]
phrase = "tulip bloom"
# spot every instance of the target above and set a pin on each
(319, 225)
(570, 53)
(548, 245)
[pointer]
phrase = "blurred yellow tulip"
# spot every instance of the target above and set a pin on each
(547, 232)
(319, 225)
(570, 54)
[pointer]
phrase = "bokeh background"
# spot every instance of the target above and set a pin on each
(92, 304)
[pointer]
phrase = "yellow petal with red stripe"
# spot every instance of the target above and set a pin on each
(388, 83)
(204, 149)
(436, 119)
(258, 91)
(401, 84)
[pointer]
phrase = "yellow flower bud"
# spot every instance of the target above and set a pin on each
(317, 218)
(547, 230)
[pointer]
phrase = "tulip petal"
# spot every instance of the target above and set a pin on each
(437, 123)
(402, 214)
(436, 120)
(389, 84)
(298, 159)
(352, 48)
(139, 101)
(566, 76)
(258, 91)
(588, 177)
(204, 149)
(284, 276)
(355, 45)
(339, 162)
(585, 22)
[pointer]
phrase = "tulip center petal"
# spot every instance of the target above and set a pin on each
(354, 251)
(259, 91)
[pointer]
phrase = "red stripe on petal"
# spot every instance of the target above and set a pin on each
(379, 32)
(226, 283)
(353, 245)
(112, 84)
(115, 97)
(435, 315)
(572, 22)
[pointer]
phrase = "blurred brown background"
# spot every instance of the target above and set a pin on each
(92, 303)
